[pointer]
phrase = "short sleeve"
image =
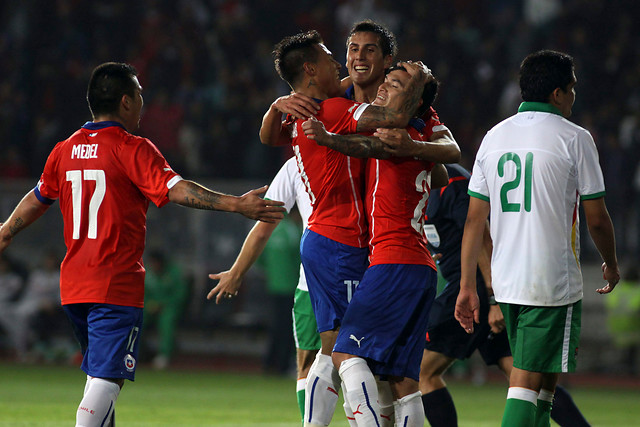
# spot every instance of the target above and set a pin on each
(282, 188)
(147, 168)
(590, 178)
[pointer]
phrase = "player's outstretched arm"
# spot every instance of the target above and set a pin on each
(273, 131)
(250, 204)
(401, 108)
(467, 309)
(354, 145)
(26, 212)
(442, 147)
(231, 280)
(602, 234)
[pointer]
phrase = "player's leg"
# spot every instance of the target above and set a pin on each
(329, 289)
(322, 386)
(386, 401)
(564, 410)
(110, 359)
(408, 408)
(359, 388)
(436, 399)
(306, 338)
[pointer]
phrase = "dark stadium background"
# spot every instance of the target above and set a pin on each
(208, 77)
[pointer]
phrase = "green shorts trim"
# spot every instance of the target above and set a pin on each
(305, 329)
(543, 339)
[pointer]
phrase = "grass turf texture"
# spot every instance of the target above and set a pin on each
(49, 395)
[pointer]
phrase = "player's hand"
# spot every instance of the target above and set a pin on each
(467, 309)
(397, 142)
(315, 131)
(298, 105)
(251, 205)
(436, 257)
(227, 287)
(612, 276)
(417, 70)
(496, 319)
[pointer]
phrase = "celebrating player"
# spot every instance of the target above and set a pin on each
(104, 178)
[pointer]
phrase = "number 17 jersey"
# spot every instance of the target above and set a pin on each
(104, 178)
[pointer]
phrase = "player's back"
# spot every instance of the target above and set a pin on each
(103, 177)
(531, 163)
(333, 181)
(397, 190)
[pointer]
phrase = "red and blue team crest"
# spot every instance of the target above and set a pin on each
(129, 363)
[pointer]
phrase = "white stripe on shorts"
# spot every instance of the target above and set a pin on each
(566, 339)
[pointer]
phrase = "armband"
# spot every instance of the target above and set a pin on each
(492, 300)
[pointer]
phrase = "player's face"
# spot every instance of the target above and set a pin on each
(567, 98)
(394, 83)
(365, 60)
(136, 107)
(328, 71)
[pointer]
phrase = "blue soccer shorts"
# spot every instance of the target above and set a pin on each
(109, 336)
(333, 271)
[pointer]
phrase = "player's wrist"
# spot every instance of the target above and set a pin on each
(492, 300)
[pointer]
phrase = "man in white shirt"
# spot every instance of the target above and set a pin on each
(530, 174)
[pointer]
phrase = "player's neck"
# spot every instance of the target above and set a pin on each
(366, 93)
(310, 89)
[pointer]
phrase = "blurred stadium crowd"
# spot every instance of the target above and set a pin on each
(208, 75)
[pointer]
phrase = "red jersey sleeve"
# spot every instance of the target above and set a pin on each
(156, 177)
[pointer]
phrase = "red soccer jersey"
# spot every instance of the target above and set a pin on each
(104, 178)
(334, 181)
(396, 199)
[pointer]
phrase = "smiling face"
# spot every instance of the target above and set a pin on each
(365, 61)
(394, 83)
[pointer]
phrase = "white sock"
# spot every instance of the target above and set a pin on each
(545, 395)
(361, 391)
(347, 410)
(97, 404)
(522, 393)
(321, 392)
(409, 410)
(385, 399)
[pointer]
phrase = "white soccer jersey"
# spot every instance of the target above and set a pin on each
(534, 167)
(287, 186)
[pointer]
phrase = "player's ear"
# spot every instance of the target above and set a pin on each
(309, 68)
(388, 61)
(125, 102)
(556, 97)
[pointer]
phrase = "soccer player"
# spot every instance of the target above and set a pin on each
(104, 178)
(385, 321)
(288, 187)
(336, 235)
(530, 173)
(446, 341)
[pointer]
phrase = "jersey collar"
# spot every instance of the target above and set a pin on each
(542, 107)
(101, 125)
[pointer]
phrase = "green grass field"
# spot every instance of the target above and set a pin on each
(49, 395)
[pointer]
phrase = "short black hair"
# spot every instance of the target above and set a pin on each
(387, 39)
(543, 72)
(292, 52)
(108, 83)
(429, 93)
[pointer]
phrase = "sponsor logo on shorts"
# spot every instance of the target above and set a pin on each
(353, 337)
(129, 362)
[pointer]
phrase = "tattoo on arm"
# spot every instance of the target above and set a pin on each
(200, 198)
(356, 145)
(16, 226)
